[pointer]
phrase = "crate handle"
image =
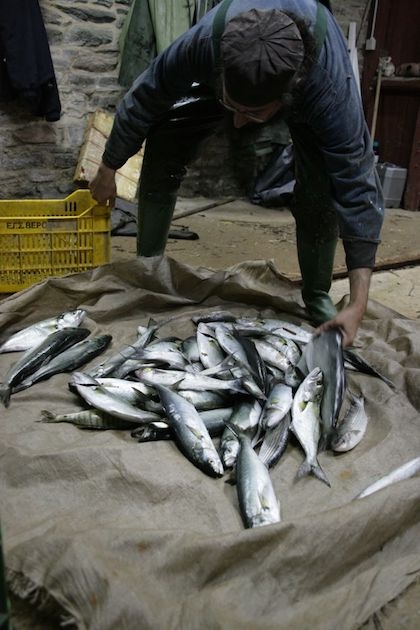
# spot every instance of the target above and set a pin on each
(52, 216)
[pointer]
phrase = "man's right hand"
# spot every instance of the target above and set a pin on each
(103, 187)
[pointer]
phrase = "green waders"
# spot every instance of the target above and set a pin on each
(169, 148)
(316, 224)
(316, 221)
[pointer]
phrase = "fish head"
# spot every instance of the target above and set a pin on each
(213, 465)
(342, 443)
(71, 318)
(313, 385)
(81, 378)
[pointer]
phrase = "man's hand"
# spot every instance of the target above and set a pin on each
(349, 319)
(103, 187)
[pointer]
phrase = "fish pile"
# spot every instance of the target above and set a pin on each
(48, 347)
(256, 384)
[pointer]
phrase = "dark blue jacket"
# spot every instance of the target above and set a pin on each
(330, 106)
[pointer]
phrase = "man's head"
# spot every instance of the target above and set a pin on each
(262, 52)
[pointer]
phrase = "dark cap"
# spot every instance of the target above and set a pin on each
(261, 51)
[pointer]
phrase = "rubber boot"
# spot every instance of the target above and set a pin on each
(316, 261)
(155, 212)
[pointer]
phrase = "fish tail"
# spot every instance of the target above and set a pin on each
(310, 468)
(5, 394)
(325, 439)
(304, 469)
(47, 416)
(317, 471)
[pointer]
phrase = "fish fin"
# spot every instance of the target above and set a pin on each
(258, 437)
(231, 479)
(21, 386)
(5, 392)
(325, 439)
(306, 468)
(363, 366)
(197, 434)
(139, 397)
(302, 366)
(234, 429)
(317, 471)
(263, 501)
(47, 416)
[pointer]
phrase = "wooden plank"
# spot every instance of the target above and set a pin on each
(97, 131)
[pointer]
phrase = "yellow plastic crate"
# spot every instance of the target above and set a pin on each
(40, 238)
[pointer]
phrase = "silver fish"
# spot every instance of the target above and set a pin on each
(34, 358)
(245, 416)
(204, 400)
(231, 345)
(153, 432)
(34, 334)
(272, 355)
(293, 377)
(214, 317)
(151, 376)
(110, 364)
(129, 367)
(407, 470)
(68, 360)
(257, 499)
(88, 419)
(190, 432)
(189, 348)
(278, 326)
(214, 419)
(306, 422)
(210, 352)
(288, 347)
(326, 352)
(275, 442)
(165, 351)
(100, 398)
(350, 431)
(199, 381)
(247, 380)
(134, 392)
(257, 367)
(278, 404)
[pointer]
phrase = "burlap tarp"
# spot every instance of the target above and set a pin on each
(118, 534)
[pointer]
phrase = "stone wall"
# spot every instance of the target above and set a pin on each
(38, 158)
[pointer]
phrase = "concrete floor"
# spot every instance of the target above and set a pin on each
(238, 231)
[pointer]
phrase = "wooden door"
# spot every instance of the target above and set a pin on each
(397, 34)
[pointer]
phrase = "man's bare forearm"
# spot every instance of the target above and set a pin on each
(359, 280)
(349, 319)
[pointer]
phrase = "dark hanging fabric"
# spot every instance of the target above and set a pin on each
(26, 67)
(201, 8)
